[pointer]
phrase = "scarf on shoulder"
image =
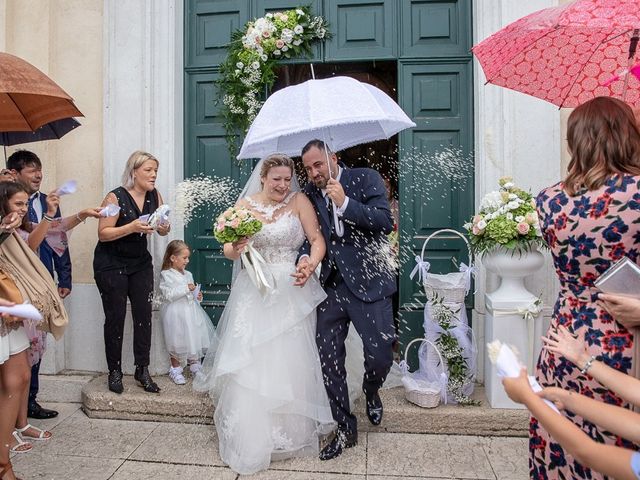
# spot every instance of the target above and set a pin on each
(35, 283)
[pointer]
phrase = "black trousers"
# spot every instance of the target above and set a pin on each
(374, 323)
(34, 386)
(115, 286)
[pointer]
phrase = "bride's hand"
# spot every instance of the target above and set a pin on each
(303, 271)
(239, 246)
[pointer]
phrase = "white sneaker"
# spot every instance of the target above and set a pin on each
(175, 374)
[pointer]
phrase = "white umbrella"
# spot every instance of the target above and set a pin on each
(341, 111)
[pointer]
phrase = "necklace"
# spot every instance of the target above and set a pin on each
(268, 210)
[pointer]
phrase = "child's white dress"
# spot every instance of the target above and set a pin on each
(188, 331)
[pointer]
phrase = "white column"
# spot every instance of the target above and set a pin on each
(143, 97)
(515, 135)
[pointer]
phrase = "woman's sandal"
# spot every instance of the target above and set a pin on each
(21, 446)
(42, 434)
(6, 468)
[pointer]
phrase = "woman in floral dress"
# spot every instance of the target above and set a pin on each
(589, 220)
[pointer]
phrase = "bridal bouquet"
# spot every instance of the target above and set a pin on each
(507, 219)
(235, 223)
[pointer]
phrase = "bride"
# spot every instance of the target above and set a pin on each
(264, 374)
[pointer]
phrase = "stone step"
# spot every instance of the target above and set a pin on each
(179, 403)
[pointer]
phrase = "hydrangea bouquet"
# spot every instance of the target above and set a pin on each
(254, 52)
(235, 223)
(507, 219)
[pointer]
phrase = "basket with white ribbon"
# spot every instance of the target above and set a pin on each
(454, 286)
(423, 387)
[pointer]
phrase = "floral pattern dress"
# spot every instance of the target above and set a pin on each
(586, 234)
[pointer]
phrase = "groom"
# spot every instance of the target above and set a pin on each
(359, 288)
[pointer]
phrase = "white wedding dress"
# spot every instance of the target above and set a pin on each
(264, 374)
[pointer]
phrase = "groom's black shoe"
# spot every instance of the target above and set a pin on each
(342, 440)
(374, 409)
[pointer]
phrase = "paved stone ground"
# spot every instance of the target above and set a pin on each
(98, 449)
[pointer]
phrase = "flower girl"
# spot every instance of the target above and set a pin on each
(187, 328)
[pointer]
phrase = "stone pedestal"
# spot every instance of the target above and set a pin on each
(503, 322)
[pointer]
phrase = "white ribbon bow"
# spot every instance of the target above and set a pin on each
(532, 310)
(444, 386)
(422, 269)
(255, 265)
(469, 271)
(404, 367)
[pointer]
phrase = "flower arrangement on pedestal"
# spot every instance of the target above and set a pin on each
(253, 54)
(507, 219)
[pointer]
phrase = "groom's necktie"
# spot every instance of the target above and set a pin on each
(327, 202)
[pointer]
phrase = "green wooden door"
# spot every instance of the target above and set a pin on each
(208, 26)
(435, 82)
(429, 40)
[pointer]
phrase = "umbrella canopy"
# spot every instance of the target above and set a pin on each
(28, 98)
(567, 55)
(341, 111)
(49, 131)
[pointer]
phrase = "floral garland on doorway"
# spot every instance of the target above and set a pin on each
(253, 55)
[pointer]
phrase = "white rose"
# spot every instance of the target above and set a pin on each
(298, 29)
(297, 42)
(256, 65)
(287, 35)
(512, 196)
(512, 205)
(299, 12)
(263, 57)
(285, 48)
(240, 65)
(519, 219)
(509, 216)
(482, 225)
(508, 185)
(276, 53)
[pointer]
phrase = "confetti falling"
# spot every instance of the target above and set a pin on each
(197, 192)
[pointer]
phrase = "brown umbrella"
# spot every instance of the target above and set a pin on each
(28, 98)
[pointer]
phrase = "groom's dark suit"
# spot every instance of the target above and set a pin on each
(358, 285)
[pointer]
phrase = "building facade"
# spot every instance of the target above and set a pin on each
(142, 72)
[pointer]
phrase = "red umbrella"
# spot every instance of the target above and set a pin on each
(567, 55)
(28, 98)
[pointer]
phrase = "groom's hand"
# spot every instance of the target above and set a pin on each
(303, 271)
(336, 192)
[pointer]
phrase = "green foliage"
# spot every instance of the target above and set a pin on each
(248, 72)
(451, 350)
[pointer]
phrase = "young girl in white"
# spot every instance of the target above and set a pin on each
(187, 328)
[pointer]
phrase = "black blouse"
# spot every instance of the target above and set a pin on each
(130, 253)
